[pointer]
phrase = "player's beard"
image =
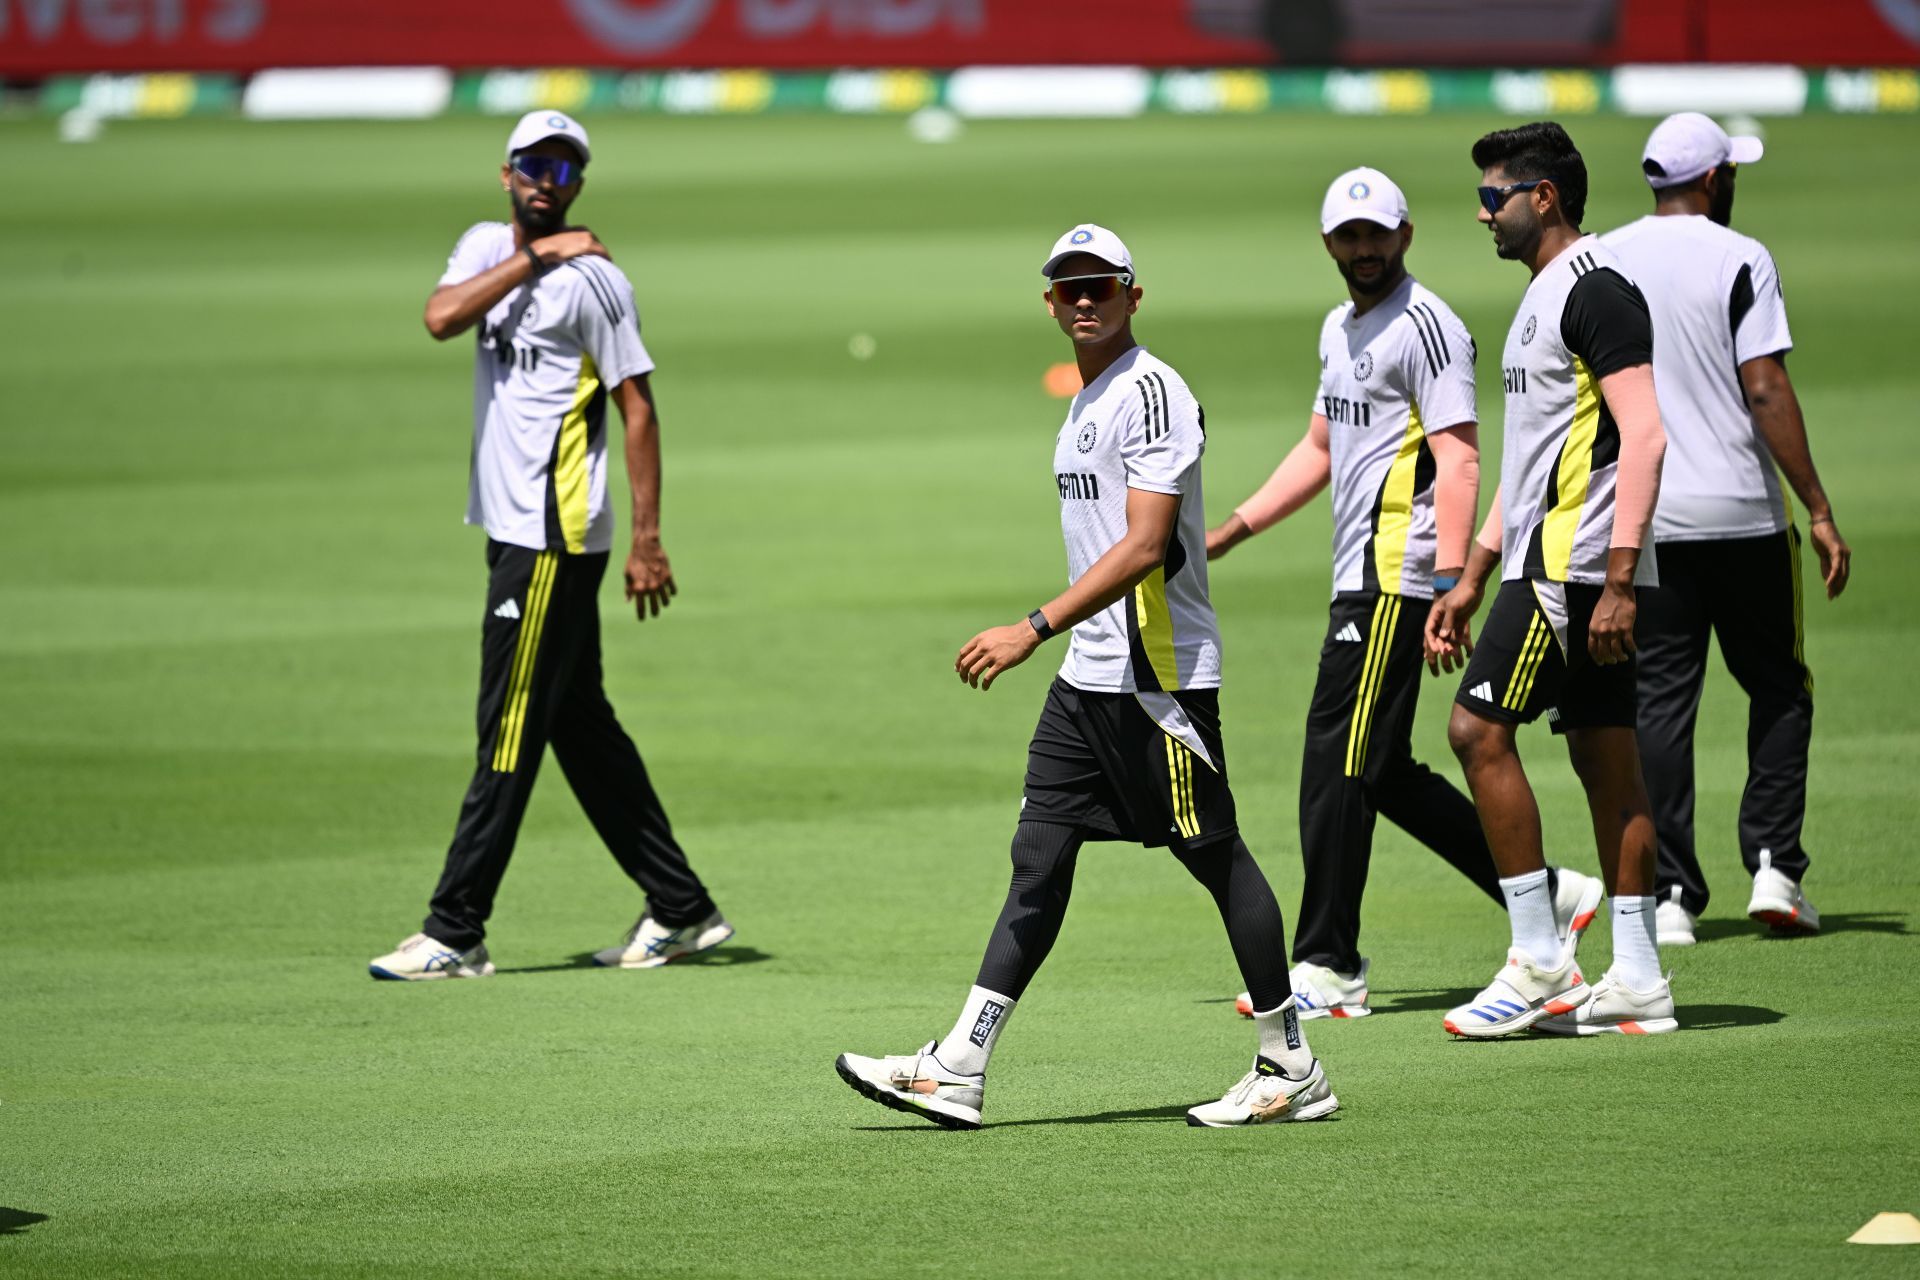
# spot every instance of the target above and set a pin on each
(1517, 244)
(537, 223)
(1389, 276)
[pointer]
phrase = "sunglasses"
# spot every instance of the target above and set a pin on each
(1097, 289)
(538, 169)
(1492, 198)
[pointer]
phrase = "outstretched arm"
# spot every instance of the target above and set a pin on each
(1125, 565)
(1776, 414)
(1303, 473)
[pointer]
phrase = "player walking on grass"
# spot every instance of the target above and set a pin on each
(1579, 476)
(1394, 431)
(1728, 547)
(558, 338)
(1128, 746)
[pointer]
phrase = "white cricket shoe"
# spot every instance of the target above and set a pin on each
(1576, 900)
(1320, 992)
(1618, 1009)
(1267, 1094)
(1673, 923)
(650, 944)
(423, 959)
(1521, 993)
(1779, 901)
(918, 1084)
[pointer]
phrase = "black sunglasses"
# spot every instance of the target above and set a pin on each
(1097, 289)
(1492, 198)
(538, 169)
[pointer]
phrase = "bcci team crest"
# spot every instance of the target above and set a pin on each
(1080, 237)
(1089, 432)
(1363, 367)
(1526, 334)
(1359, 191)
(556, 122)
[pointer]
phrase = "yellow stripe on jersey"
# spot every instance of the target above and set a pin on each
(1386, 616)
(1532, 653)
(1156, 629)
(1394, 520)
(570, 480)
(513, 716)
(1180, 778)
(1575, 473)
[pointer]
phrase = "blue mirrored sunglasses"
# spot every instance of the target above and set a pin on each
(1492, 198)
(537, 169)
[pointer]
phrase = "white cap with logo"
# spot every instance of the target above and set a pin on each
(1684, 146)
(1091, 238)
(538, 126)
(1363, 193)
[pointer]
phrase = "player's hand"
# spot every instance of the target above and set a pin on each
(1610, 633)
(1449, 632)
(563, 246)
(1836, 557)
(1227, 535)
(649, 578)
(993, 651)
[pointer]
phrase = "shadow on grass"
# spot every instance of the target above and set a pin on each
(15, 1221)
(1718, 1017)
(1425, 999)
(1894, 922)
(1145, 1115)
(719, 957)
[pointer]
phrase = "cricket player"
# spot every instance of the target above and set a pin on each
(1128, 746)
(1579, 476)
(1725, 530)
(557, 336)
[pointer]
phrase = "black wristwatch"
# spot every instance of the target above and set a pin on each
(1041, 627)
(539, 267)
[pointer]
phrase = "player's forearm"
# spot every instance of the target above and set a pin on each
(1456, 495)
(1301, 475)
(1643, 444)
(1127, 564)
(1777, 417)
(1483, 555)
(643, 462)
(455, 308)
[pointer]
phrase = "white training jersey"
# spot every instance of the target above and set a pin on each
(546, 355)
(1137, 426)
(1716, 304)
(1580, 320)
(1389, 379)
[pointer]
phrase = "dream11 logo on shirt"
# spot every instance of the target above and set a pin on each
(655, 26)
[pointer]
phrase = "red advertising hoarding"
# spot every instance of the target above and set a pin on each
(46, 37)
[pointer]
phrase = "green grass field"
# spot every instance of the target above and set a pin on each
(238, 644)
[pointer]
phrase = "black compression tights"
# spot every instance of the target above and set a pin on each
(1044, 856)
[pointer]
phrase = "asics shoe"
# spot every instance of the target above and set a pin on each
(1320, 992)
(1576, 900)
(1673, 923)
(1779, 901)
(918, 1084)
(1267, 1094)
(1617, 1008)
(422, 959)
(650, 944)
(1519, 994)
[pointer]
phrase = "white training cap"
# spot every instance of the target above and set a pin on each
(1363, 193)
(1684, 146)
(538, 126)
(1091, 238)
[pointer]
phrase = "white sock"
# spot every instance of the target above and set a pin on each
(1530, 909)
(1636, 953)
(967, 1047)
(1282, 1040)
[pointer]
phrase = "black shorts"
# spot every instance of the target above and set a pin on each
(1101, 762)
(1532, 657)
